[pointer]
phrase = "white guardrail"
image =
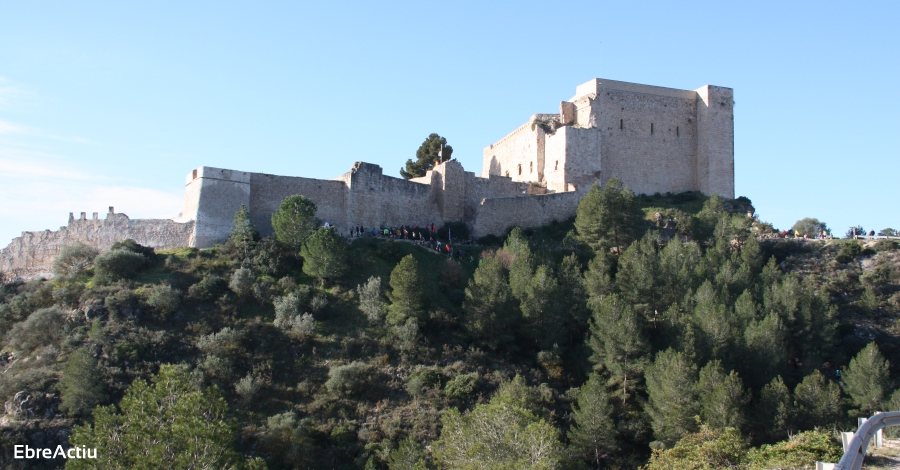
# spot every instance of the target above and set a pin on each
(855, 444)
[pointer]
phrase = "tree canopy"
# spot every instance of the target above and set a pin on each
(426, 156)
(295, 220)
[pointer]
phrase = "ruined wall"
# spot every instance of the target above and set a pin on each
(32, 254)
(376, 200)
(519, 155)
(496, 215)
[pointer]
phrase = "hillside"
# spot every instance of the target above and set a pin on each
(582, 344)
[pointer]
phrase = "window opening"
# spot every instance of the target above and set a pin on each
(651, 128)
(621, 124)
(520, 169)
(677, 131)
(531, 167)
(556, 166)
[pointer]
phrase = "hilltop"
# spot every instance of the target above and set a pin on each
(623, 323)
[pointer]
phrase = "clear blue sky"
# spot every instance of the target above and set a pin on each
(113, 103)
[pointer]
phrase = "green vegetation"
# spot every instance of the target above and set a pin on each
(294, 221)
(426, 155)
(676, 340)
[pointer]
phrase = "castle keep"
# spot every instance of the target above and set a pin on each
(654, 139)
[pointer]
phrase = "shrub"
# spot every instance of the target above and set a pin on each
(74, 259)
(317, 303)
(44, 327)
(222, 343)
(209, 288)
(422, 380)
(215, 366)
(462, 386)
(286, 308)
(295, 220)
(270, 257)
(134, 247)
(164, 299)
(248, 386)
(849, 252)
(884, 245)
(80, 386)
(304, 326)
(117, 264)
(370, 300)
(241, 282)
(68, 293)
(347, 379)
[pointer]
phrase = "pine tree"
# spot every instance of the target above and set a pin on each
(714, 322)
(722, 397)
(678, 264)
(168, 423)
(774, 412)
(672, 402)
(818, 402)
(521, 269)
(606, 217)
(490, 308)
(295, 220)
(619, 343)
(80, 385)
(598, 281)
(764, 349)
(407, 292)
(543, 309)
(867, 378)
(244, 235)
(324, 255)
(638, 277)
(593, 434)
(426, 155)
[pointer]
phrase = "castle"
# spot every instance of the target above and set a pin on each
(654, 139)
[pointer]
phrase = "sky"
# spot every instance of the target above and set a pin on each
(114, 103)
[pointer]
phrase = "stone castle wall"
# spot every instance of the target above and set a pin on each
(32, 254)
(654, 139)
(496, 215)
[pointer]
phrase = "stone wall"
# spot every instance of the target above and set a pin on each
(654, 139)
(496, 215)
(519, 155)
(649, 140)
(32, 254)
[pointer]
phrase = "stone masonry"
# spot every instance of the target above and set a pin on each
(654, 139)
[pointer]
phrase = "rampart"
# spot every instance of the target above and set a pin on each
(654, 139)
(32, 254)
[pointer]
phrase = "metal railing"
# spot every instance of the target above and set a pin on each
(855, 450)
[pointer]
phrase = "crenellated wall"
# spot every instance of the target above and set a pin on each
(32, 254)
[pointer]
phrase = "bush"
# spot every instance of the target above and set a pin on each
(44, 327)
(348, 379)
(130, 245)
(304, 326)
(241, 282)
(462, 386)
(164, 299)
(286, 308)
(422, 380)
(74, 259)
(117, 264)
(80, 385)
(884, 245)
(270, 257)
(209, 288)
(849, 252)
(223, 343)
(370, 300)
(248, 386)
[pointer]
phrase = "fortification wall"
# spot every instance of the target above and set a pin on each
(32, 254)
(518, 155)
(376, 200)
(496, 215)
(492, 186)
(267, 192)
(649, 140)
(715, 146)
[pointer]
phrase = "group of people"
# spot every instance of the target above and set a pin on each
(422, 235)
